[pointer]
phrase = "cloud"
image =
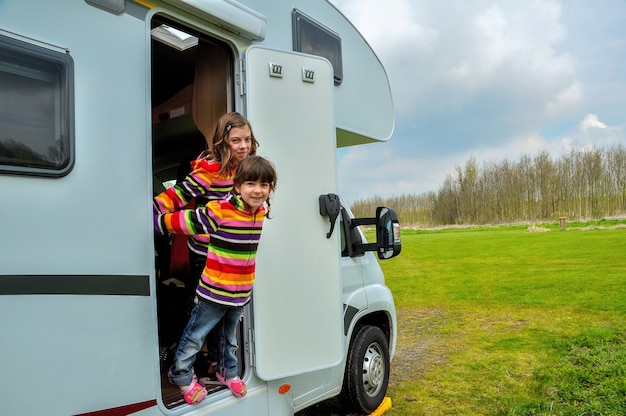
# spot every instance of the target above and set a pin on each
(447, 56)
(591, 121)
(380, 170)
(594, 133)
(366, 171)
(487, 79)
(569, 98)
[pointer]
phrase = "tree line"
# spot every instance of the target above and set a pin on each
(581, 184)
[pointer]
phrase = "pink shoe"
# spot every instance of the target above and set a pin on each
(193, 393)
(235, 384)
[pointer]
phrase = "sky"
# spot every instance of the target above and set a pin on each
(487, 79)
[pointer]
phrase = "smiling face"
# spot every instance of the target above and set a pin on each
(239, 142)
(253, 193)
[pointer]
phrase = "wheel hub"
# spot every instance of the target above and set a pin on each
(373, 370)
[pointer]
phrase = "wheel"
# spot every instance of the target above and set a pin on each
(367, 371)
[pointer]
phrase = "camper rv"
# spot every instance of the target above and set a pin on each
(104, 103)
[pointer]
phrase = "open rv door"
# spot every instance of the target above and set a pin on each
(297, 294)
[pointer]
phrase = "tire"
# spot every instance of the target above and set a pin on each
(367, 371)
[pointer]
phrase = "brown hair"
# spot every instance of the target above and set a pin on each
(256, 168)
(220, 150)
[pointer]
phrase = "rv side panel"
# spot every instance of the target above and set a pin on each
(76, 251)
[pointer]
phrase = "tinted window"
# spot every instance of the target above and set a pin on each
(313, 38)
(36, 109)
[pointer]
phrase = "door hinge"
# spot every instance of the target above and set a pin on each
(241, 77)
(251, 348)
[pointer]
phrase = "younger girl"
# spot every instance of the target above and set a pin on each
(234, 224)
(211, 178)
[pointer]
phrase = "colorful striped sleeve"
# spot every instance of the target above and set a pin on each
(199, 182)
(188, 222)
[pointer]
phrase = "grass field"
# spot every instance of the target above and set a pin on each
(502, 321)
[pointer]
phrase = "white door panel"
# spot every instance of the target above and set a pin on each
(297, 300)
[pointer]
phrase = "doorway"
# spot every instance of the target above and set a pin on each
(191, 87)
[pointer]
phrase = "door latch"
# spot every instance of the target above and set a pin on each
(330, 207)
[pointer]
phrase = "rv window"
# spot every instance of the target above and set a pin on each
(311, 37)
(36, 109)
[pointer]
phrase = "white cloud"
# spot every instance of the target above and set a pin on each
(594, 133)
(370, 170)
(569, 98)
(487, 79)
(447, 55)
(591, 121)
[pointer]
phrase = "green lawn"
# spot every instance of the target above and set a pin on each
(501, 321)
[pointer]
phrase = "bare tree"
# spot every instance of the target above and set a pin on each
(580, 184)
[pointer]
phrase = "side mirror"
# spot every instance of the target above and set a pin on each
(387, 233)
(388, 242)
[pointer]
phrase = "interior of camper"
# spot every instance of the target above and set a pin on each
(192, 86)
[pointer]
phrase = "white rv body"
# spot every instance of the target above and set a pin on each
(78, 283)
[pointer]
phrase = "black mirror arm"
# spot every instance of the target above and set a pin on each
(355, 222)
(363, 247)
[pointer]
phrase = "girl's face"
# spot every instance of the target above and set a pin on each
(239, 142)
(253, 193)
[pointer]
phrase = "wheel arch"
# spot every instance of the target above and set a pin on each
(380, 319)
(381, 314)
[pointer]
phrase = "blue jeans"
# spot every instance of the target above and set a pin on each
(204, 317)
(196, 266)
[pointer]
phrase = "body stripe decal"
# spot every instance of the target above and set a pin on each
(124, 285)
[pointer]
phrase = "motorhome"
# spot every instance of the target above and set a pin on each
(104, 103)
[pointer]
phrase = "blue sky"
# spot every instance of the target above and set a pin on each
(488, 79)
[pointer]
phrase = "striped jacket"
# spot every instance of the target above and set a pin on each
(235, 232)
(203, 183)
